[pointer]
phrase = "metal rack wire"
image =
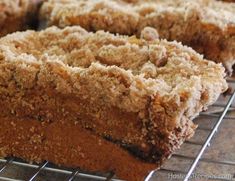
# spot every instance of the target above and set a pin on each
(39, 172)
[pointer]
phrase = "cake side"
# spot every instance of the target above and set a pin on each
(88, 78)
(65, 143)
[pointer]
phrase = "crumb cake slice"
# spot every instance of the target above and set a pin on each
(141, 95)
(16, 15)
(207, 26)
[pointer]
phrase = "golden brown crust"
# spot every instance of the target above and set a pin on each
(206, 25)
(111, 85)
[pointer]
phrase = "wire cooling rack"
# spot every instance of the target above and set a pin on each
(181, 166)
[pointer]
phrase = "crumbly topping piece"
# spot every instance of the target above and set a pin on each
(125, 73)
(206, 25)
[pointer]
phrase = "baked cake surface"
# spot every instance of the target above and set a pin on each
(140, 94)
(206, 25)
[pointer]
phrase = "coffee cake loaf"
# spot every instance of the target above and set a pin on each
(206, 25)
(138, 94)
(17, 15)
